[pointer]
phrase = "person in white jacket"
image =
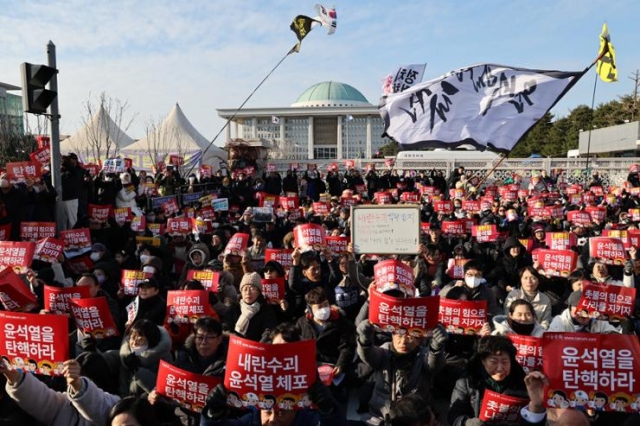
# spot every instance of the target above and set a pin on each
(126, 197)
(84, 404)
(570, 321)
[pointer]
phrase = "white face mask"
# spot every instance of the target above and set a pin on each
(322, 314)
(141, 349)
(144, 258)
(149, 269)
(472, 282)
(101, 278)
(95, 256)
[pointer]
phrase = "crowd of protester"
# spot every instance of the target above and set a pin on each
(393, 376)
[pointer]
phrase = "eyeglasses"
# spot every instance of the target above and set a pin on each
(205, 337)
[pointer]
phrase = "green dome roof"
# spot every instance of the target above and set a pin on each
(330, 94)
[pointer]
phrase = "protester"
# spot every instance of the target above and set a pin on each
(521, 319)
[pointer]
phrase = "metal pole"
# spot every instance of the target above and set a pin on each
(593, 100)
(347, 128)
(56, 178)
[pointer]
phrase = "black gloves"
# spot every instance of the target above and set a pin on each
(439, 338)
(365, 333)
(321, 396)
(131, 361)
(216, 405)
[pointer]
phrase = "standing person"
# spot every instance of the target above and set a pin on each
(72, 184)
(14, 198)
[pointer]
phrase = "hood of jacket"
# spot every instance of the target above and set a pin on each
(150, 357)
(202, 249)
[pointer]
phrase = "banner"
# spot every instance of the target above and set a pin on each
(393, 275)
(16, 255)
(34, 343)
(606, 302)
(406, 76)
(309, 236)
(208, 278)
(602, 367)
(414, 315)
(186, 306)
(20, 171)
(560, 240)
(273, 289)
(98, 213)
(14, 293)
(188, 389)
(237, 244)
(130, 278)
(57, 299)
(556, 263)
(257, 373)
(48, 250)
(528, 351)
(501, 409)
(93, 317)
(338, 245)
(496, 103)
(462, 316)
(34, 231)
(608, 250)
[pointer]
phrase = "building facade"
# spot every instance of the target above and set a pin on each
(11, 112)
(329, 120)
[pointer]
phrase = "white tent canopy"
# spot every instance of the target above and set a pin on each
(174, 136)
(92, 139)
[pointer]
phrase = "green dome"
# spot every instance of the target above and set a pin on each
(331, 94)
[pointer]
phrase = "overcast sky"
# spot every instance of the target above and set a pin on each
(211, 54)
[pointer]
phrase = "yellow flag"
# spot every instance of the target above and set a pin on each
(606, 66)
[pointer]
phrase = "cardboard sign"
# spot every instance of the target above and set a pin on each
(78, 240)
(453, 228)
(130, 278)
(16, 254)
(501, 409)
(282, 256)
(57, 299)
(579, 217)
(208, 278)
(188, 389)
(14, 293)
(186, 306)
(99, 213)
(20, 171)
(237, 244)
(93, 317)
(309, 236)
(608, 250)
(560, 240)
(485, 233)
(178, 226)
(48, 250)
(394, 275)
(556, 263)
(606, 302)
(42, 156)
(258, 373)
(34, 343)
(528, 351)
(462, 316)
(455, 268)
(443, 206)
(273, 289)
(414, 315)
(602, 366)
(34, 231)
(338, 245)
(138, 224)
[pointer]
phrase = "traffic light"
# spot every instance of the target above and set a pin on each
(36, 98)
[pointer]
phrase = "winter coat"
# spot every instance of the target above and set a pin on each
(481, 292)
(188, 359)
(506, 272)
(390, 383)
(264, 320)
(204, 252)
(88, 407)
(141, 379)
(300, 285)
(126, 197)
(563, 323)
(541, 305)
(303, 417)
(502, 328)
(153, 308)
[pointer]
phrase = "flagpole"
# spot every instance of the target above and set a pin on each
(493, 169)
(294, 49)
(593, 100)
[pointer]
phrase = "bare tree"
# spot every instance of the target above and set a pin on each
(162, 140)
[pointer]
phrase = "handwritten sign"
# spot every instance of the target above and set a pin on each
(385, 229)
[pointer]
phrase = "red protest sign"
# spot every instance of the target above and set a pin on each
(178, 226)
(273, 289)
(622, 234)
(347, 201)
(129, 279)
(410, 197)
(289, 203)
(394, 275)
(42, 156)
(22, 170)
(93, 317)
(338, 245)
(255, 371)
(443, 206)
(138, 223)
(320, 208)
(76, 239)
(128, 163)
(5, 232)
(604, 366)
(606, 302)
(350, 164)
(14, 294)
(282, 256)
(462, 316)
(43, 141)
(98, 213)
(268, 200)
(501, 409)
(93, 169)
(453, 228)
(309, 236)
(472, 206)
(176, 160)
(608, 250)
(57, 299)
(208, 278)
(79, 264)
(579, 217)
(34, 231)
(186, 306)
(383, 197)
(237, 244)
(556, 263)
(528, 351)
(414, 315)
(122, 214)
(188, 389)
(48, 250)
(485, 233)
(597, 213)
(16, 254)
(560, 240)
(455, 268)
(41, 338)
(156, 229)
(171, 206)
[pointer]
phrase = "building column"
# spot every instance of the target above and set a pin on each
(282, 138)
(254, 127)
(311, 141)
(235, 129)
(339, 138)
(368, 153)
(228, 132)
